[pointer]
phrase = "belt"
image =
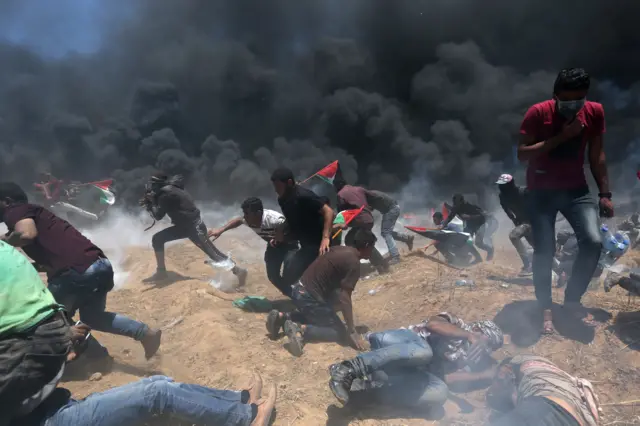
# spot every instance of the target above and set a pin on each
(51, 318)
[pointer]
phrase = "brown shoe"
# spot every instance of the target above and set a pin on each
(265, 408)
(254, 388)
(151, 342)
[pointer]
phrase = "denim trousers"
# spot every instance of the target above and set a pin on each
(580, 210)
(389, 220)
(397, 360)
(323, 324)
(274, 259)
(139, 402)
(87, 293)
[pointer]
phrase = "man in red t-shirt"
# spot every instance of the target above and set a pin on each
(553, 138)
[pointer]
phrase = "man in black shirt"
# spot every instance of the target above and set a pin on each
(476, 222)
(512, 200)
(168, 197)
(310, 221)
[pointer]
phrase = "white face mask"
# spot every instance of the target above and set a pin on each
(569, 109)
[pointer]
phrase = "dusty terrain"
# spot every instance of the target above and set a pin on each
(212, 343)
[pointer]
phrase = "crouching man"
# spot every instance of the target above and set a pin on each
(535, 392)
(324, 289)
(400, 368)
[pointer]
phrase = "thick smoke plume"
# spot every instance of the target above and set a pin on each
(225, 91)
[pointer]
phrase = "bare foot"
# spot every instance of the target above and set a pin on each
(547, 322)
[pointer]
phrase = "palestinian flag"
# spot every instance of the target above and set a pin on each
(445, 211)
(330, 173)
(104, 186)
(346, 216)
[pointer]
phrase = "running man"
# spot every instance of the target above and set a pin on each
(265, 223)
(168, 197)
(514, 203)
(476, 222)
(79, 275)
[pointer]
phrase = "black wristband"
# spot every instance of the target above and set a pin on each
(604, 195)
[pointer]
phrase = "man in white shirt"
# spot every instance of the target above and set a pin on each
(266, 223)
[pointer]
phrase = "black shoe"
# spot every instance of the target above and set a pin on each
(525, 271)
(393, 260)
(275, 322)
(410, 242)
(296, 340)
(342, 377)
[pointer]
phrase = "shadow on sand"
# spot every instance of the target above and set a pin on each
(627, 327)
(171, 278)
(522, 320)
(338, 416)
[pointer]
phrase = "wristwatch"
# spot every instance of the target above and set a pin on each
(604, 195)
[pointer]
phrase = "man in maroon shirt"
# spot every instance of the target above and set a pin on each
(553, 138)
(79, 275)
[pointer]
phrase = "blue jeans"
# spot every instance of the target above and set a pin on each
(393, 361)
(87, 292)
(581, 212)
(138, 402)
(323, 324)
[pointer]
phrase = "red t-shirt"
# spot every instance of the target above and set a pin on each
(562, 167)
(59, 246)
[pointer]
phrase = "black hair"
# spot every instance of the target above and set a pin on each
(11, 190)
(438, 214)
(364, 238)
(252, 205)
(325, 200)
(282, 174)
(572, 79)
(459, 197)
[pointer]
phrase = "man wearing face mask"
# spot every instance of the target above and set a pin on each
(553, 138)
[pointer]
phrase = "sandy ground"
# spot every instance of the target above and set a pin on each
(212, 343)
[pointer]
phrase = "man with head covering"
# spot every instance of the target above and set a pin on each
(513, 202)
(167, 196)
(533, 391)
(412, 367)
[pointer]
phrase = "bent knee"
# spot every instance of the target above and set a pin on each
(157, 243)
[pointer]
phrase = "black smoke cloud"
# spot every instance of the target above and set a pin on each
(225, 91)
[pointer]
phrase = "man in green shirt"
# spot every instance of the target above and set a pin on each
(30, 323)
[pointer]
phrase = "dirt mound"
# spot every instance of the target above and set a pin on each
(210, 342)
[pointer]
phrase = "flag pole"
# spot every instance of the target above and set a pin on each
(313, 175)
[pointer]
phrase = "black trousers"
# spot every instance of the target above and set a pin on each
(30, 360)
(536, 411)
(197, 233)
(297, 263)
(274, 259)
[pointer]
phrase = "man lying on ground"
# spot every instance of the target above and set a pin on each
(450, 249)
(166, 196)
(412, 367)
(265, 223)
(477, 222)
(514, 203)
(324, 289)
(535, 392)
(79, 275)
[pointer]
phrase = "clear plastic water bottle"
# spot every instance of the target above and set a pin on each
(465, 283)
(609, 241)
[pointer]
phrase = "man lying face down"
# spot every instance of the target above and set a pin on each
(412, 367)
(533, 391)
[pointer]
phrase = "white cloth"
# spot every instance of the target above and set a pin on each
(271, 219)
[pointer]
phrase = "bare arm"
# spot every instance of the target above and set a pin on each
(441, 327)
(468, 376)
(23, 233)
(232, 224)
(347, 310)
(327, 214)
(598, 163)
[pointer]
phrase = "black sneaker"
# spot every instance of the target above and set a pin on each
(296, 340)
(275, 322)
(410, 239)
(525, 271)
(342, 377)
(393, 260)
